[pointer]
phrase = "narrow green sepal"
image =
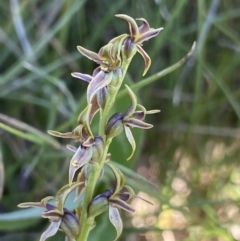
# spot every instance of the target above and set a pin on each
(120, 180)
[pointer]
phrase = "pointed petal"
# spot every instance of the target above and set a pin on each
(81, 178)
(51, 230)
(71, 148)
(148, 112)
(77, 131)
(119, 39)
(144, 27)
(94, 108)
(89, 54)
(131, 140)
(148, 35)
(104, 53)
(81, 76)
(133, 105)
(96, 71)
(31, 205)
(133, 27)
(62, 135)
(116, 220)
(53, 215)
(121, 204)
(147, 60)
(120, 180)
(106, 57)
(116, 49)
(84, 119)
(89, 142)
(80, 158)
(132, 122)
(72, 171)
(79, 190)
(101, 80)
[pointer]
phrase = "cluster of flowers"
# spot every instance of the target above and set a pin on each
(87, 164)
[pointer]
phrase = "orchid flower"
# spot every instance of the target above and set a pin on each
(131, 118)
(82, 132)
(114, 200)
(138, 35)
(85, 154)
(97, 89)
(109, 59)
(60, 217)
(99, 80)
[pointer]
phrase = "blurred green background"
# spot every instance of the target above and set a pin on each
(192, 153)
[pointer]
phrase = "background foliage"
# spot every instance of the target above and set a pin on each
(192, 153)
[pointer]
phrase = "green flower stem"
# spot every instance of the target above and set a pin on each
(85, 222)
(104, 114)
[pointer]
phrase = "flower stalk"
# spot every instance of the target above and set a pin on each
(102, 126)
(91, 156)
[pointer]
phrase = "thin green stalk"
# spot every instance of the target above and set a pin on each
(86, 222)
(146, 81)
(111, 100)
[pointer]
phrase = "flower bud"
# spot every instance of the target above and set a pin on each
(102, 96)
(129, 48)
(97, 148)
(116, 78)
(70, 225)
(99, 204)
(115, 125)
